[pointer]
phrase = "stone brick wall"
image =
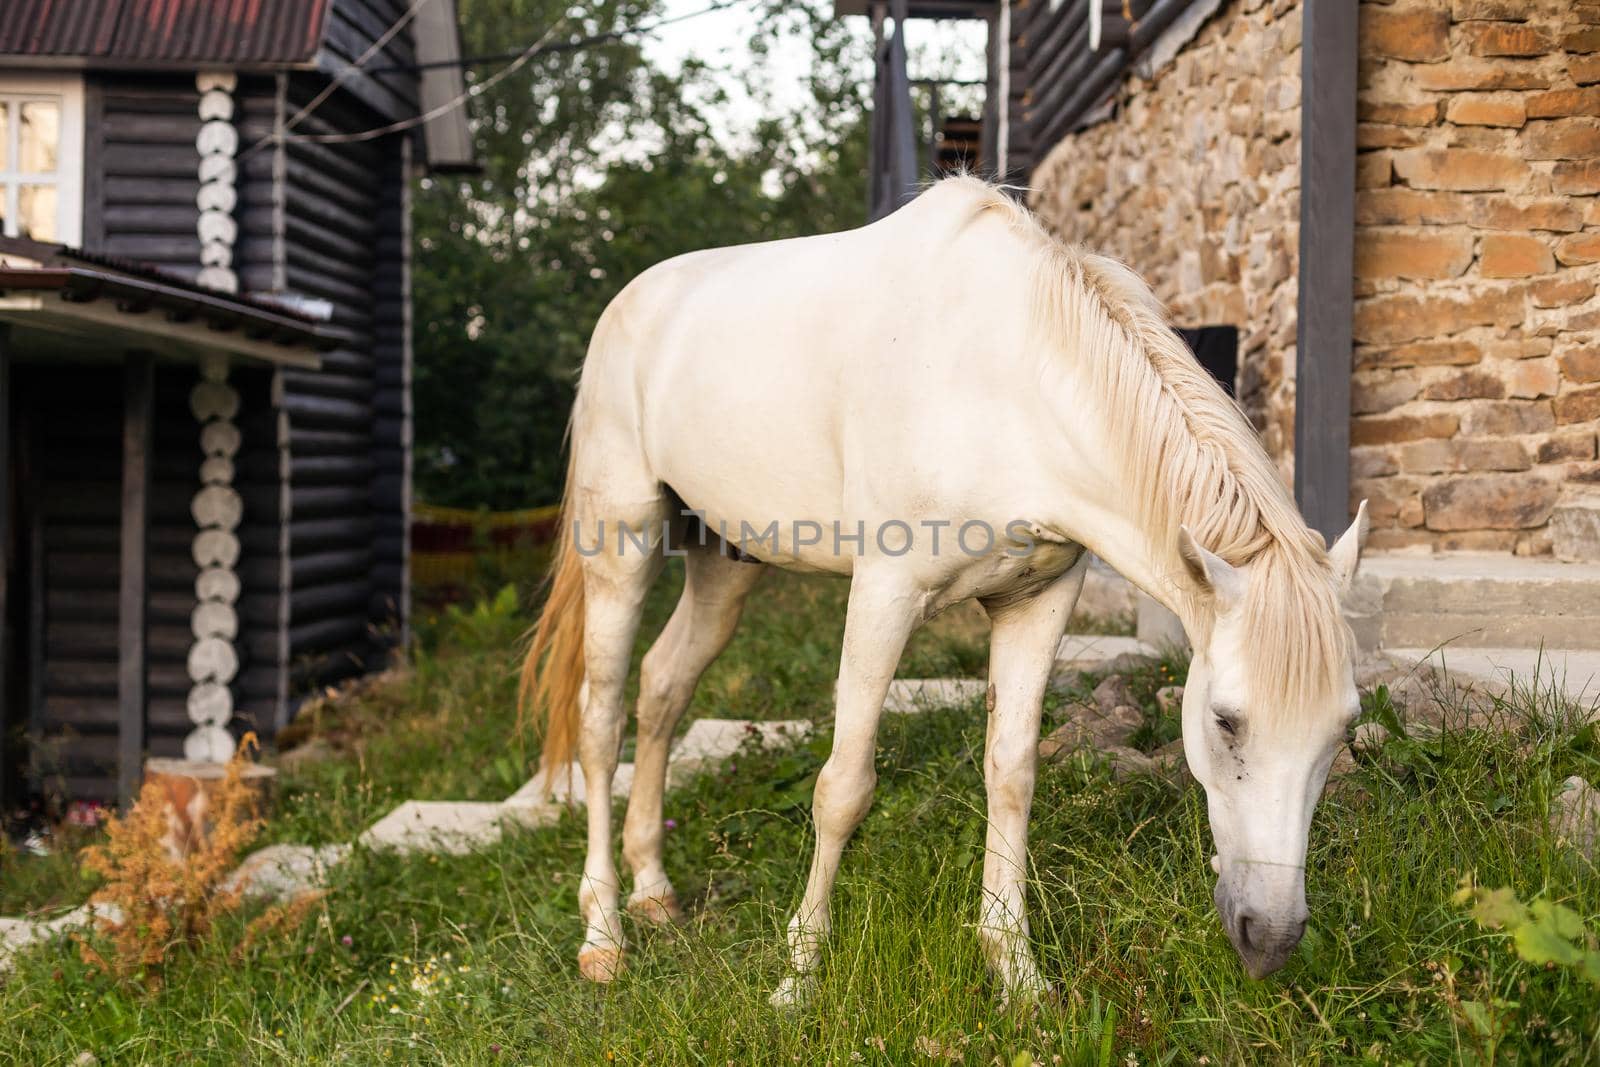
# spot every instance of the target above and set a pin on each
(1477, 381)
(1195, 184)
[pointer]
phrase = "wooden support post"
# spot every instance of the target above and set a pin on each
(137, 419)
(1327, 264)
(7, 540)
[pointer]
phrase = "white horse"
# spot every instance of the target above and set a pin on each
(868, 404)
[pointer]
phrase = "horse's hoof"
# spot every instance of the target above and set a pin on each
(793, 992)
(662, 910)
(1027, 993)
(1029, 1000)
(600, 964)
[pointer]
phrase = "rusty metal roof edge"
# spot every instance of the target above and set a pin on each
(112, 33)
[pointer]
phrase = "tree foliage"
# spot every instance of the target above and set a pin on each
(596, 165)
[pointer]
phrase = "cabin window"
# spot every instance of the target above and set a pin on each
(41, 159)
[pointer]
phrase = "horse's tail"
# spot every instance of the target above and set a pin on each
(552, 673)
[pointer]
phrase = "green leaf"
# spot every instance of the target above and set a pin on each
(1478, 1015)
(1108, 1031)
(1499, 908)
(1562, 920)
(1539, 943)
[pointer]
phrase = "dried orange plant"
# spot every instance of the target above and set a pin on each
(158, 897)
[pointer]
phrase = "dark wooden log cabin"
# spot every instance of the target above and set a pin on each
(204, 363)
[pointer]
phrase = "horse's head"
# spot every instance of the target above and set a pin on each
(1270, 695)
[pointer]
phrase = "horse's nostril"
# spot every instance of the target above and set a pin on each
(1245, 922)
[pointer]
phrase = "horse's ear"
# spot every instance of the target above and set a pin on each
(1210, 572)
(1346, 552)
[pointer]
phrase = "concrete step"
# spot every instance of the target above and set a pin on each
(907, 696)
(1099, 652)
(1573, 672)
(1464, 601)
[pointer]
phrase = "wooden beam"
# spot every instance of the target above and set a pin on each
(137, 420)
(1327, 257)
(6, 541)
(102, 321)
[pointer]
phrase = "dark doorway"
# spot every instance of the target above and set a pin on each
(60, 709)
(1217, 349)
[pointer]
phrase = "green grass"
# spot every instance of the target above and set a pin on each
(1121, 900)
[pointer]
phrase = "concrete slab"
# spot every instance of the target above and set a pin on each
(910, 695)
(568, 787)
(1575, 672)
(1092, 652)
(454, 827)
(707, 741)
(711, 740)
(278, 872)
(1492, 602)
(17, 934)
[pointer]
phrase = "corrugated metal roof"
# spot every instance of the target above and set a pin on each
(165, 31)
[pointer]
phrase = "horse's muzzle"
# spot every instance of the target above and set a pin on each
(1264, 938)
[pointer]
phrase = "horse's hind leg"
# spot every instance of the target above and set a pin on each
(616, 579)
(714, 591)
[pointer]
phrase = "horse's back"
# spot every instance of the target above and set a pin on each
(759, 375)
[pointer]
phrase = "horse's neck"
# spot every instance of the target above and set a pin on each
(1106, 518)
(1148, 562)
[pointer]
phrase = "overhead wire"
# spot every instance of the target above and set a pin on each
(339, 79)
(518, 61)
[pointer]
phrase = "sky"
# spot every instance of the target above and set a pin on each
(944, 48)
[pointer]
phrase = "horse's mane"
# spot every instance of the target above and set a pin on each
(1189, 456)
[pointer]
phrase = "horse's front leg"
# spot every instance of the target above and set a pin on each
(1022, 652)
(884, 610)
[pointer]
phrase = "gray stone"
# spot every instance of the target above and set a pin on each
(1169, 698)
(316, 750)
(1368, 736)
(1128, 762)
(1344, 762)
(1575, 532)
(1088, 725)
(283, 871)
(1112, 692)
(1575, 816)
(1489, 501)
(1171, 761)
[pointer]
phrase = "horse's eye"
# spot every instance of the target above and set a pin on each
(1226, 725)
